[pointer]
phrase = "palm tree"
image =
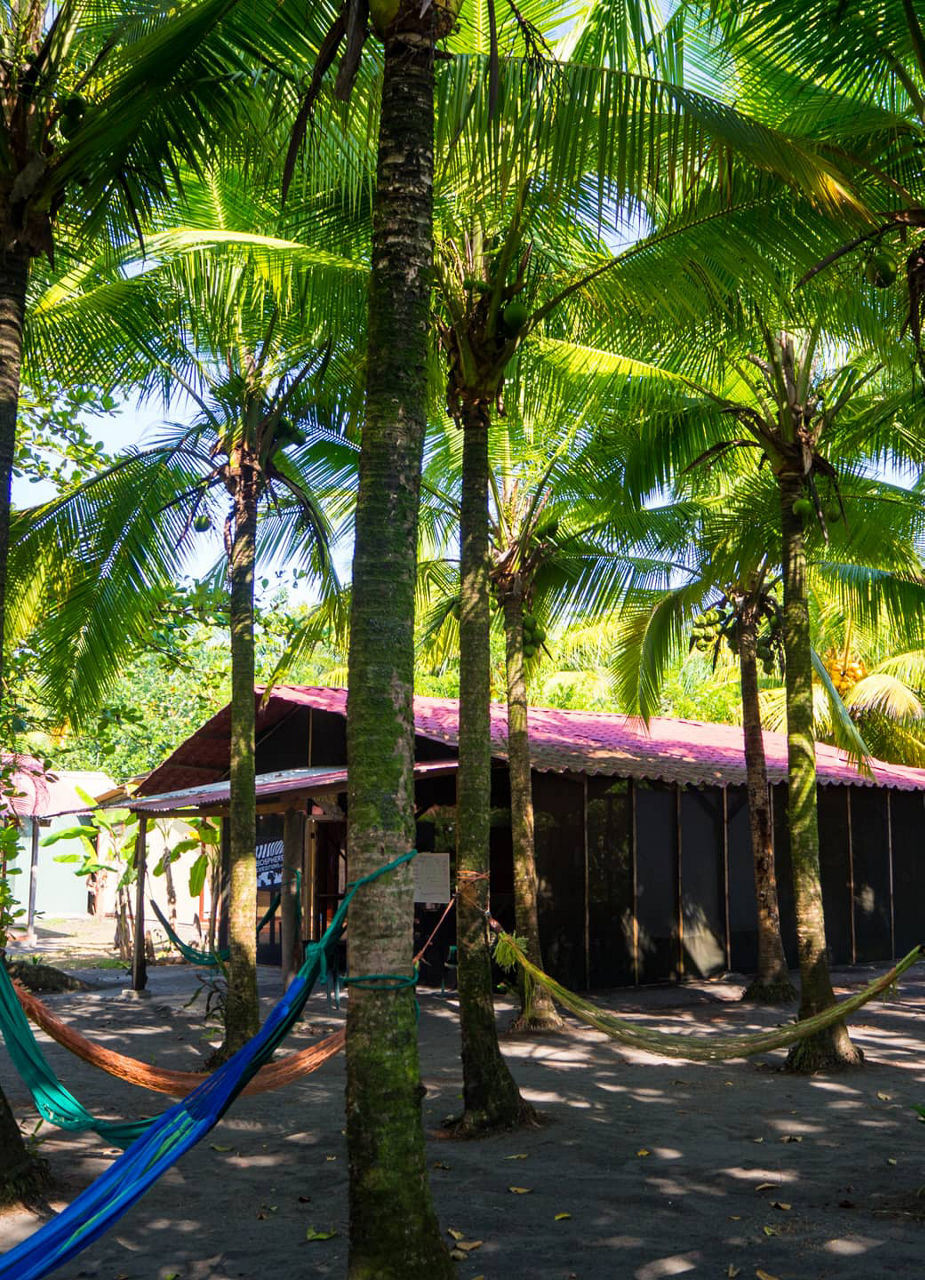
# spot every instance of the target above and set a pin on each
(227, 331)
(802, 413)
(95, 100)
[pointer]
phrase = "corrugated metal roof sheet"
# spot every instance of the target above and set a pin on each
(686, 751)
(41, 794)
(310, 782)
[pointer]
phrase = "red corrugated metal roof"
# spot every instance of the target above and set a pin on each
(310, 782)
(41, 794)
(687, 751)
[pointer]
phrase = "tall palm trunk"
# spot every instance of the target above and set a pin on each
(772, 983)
(491, 1098)
(537, 1011)
(20, 1172)
(832, 1048)
(394, 1233)
(14, 276)
(242, 1018)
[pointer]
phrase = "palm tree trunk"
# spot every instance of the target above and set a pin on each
(20, 1172)
(537, 1011)
(833, 1048)
(772, 983)
(491, 1099)
(14, 277)
(242, 1016)
(394, 1231)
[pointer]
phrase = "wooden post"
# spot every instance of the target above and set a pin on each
(293, 845)
(33, 880)
(139, 967)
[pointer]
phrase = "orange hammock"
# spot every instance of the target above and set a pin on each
(160, 1080)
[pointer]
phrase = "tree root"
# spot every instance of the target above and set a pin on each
(26, 1182)
(481, 1124)
(778, 991)
(539, 1022)
(829, 1050)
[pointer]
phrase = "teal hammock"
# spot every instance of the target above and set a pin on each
(213, 958)
(168, 1136)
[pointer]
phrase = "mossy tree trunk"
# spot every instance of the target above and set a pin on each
(242, 1016)
(537, 1011)
(832, 1048)
(772, 983)
(394, 1233)
(21, 1173)
(491, 1098)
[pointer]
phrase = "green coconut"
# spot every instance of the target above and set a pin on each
(515, 316)
(202, 523)
(803, 508)
(882, 268)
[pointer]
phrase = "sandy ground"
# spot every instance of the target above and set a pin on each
(645, 1168)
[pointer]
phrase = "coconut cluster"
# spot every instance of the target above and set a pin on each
(534, 635)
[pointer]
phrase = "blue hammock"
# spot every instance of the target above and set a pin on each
(173, 1133)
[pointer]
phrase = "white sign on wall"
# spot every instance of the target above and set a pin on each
(432, 877)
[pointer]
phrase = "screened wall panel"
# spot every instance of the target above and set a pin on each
(657, 881)
(558, 803)
(788, 924)
(869, 845)
(743, 914)
(835, 870)
(703, 882)
(610, 881)
(908, 821)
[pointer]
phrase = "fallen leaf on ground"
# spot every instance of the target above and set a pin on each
(469, 1245)
(735, 1217)
(330, 1157)
(732, 1271)
(643, 1151)
(440, 1164)
(769, 1231)
(780, 1204)
(520, 1191)
(312, 1234)
(884, 1097)
(764, 1275)
(521, 1155)
(757, 1139)
(215, 1147)
(457, 1235)
(560, 1217)
(890, 1160)
(457, 1255)
(766, 1186)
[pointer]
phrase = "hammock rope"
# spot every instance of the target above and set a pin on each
(161, 1079)
(210, 959)
(692, 1047)
(179, 1128)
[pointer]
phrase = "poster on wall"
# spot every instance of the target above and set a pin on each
(269, 864)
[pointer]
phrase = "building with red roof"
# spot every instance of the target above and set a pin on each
(643, 850)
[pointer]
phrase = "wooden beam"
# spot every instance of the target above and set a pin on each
(139, 967)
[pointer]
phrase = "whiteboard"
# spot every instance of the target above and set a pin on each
(432, 877)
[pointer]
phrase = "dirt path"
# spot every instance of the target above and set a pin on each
(663, 1168)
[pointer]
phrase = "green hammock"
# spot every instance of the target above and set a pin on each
(212, 958)
(695, 1048)
(53, 1101)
